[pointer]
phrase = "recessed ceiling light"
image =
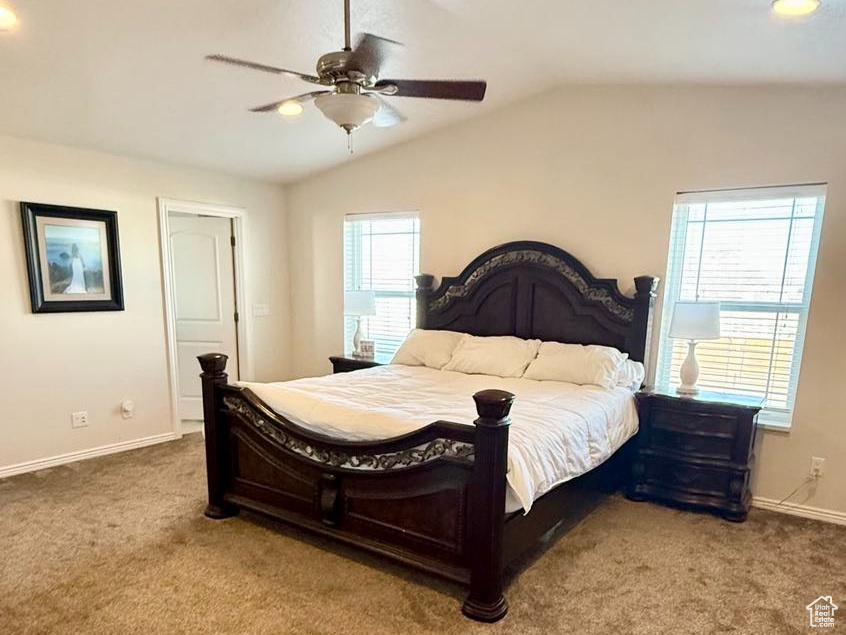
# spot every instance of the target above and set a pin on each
(290, 108)
(793, 8)
(8, 19)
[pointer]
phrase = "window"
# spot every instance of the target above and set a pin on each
(382, 254)
(754, 251)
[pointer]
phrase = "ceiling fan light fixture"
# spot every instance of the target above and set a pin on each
(290, 108)
(794, 8)
(348, 110)
(8, 19)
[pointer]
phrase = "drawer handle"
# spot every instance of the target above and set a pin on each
(685, 478)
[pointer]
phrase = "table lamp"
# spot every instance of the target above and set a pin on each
(359, 304)
(693, 321)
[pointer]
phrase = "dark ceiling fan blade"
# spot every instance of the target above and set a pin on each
(299, 98)
(370, 53)
(262, 67)
(387, 115)
(437, 89)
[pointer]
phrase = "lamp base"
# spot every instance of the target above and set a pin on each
(357, 338)
(687, 390)
(689, 372)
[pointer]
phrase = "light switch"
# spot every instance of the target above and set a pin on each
(261, 310)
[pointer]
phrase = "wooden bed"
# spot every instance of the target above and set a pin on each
(435, 498)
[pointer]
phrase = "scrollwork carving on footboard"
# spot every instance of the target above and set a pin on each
(418, 455)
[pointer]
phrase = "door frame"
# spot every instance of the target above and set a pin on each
(239, 217)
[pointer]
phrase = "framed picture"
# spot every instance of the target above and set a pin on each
(367, 349)
(72, 258)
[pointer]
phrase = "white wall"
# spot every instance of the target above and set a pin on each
(595, 170)
(53, 364)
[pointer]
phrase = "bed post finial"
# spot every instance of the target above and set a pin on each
(425, 285)
(645, 288)
(214, 375)
(486, 601)
(213, 364)
(493, 407)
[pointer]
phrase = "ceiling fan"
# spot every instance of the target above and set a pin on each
(354, 91)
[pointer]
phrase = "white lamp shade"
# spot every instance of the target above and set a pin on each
(696, 321)
(359, 303)
(348, 110)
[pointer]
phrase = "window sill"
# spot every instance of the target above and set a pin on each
(774, 426)
(775, 420)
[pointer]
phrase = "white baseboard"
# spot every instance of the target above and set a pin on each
(190, 426)
(71, 457)
(805, 511)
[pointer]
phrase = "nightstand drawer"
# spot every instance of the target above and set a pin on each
(678, 475)
(701, 421)
(692, 444)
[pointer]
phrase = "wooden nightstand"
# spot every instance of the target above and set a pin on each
(348, 364)
(696, 451)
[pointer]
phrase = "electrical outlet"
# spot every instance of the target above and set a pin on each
(127, 409)
(79, 419)
(817, 466)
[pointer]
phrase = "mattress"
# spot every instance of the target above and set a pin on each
(558, 430)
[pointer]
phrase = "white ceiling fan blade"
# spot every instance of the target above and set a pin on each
(233, 61)
(299, 98)
(387, 115)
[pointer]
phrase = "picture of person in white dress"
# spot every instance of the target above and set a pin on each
(77, 267)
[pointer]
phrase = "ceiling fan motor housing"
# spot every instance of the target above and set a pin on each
(336, 66)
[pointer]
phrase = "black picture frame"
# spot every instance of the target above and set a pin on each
(64, 276)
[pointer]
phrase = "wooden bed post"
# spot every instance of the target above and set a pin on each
(213, 375)
(642, 327)
(425, 282)
(486, 524)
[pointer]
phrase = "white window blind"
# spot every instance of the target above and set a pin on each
(382, 254)
(755, 252)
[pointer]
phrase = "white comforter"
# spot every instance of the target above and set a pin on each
(558, 431)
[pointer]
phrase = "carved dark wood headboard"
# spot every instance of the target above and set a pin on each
(535, 290)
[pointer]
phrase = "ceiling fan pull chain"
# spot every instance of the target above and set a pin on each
(350, 142)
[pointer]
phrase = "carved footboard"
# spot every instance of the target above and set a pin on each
(433, 499)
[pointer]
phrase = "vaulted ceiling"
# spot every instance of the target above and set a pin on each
(129, 77)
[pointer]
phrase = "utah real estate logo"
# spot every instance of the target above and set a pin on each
(822, 611)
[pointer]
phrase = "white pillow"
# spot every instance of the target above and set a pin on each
(503, 356)
(427, 348)
(631, 374)
(577, 364)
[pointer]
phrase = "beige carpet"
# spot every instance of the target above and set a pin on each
(119, 545)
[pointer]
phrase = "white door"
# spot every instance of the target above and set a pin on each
(204, 301)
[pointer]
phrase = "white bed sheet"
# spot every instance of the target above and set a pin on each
(558, 431)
